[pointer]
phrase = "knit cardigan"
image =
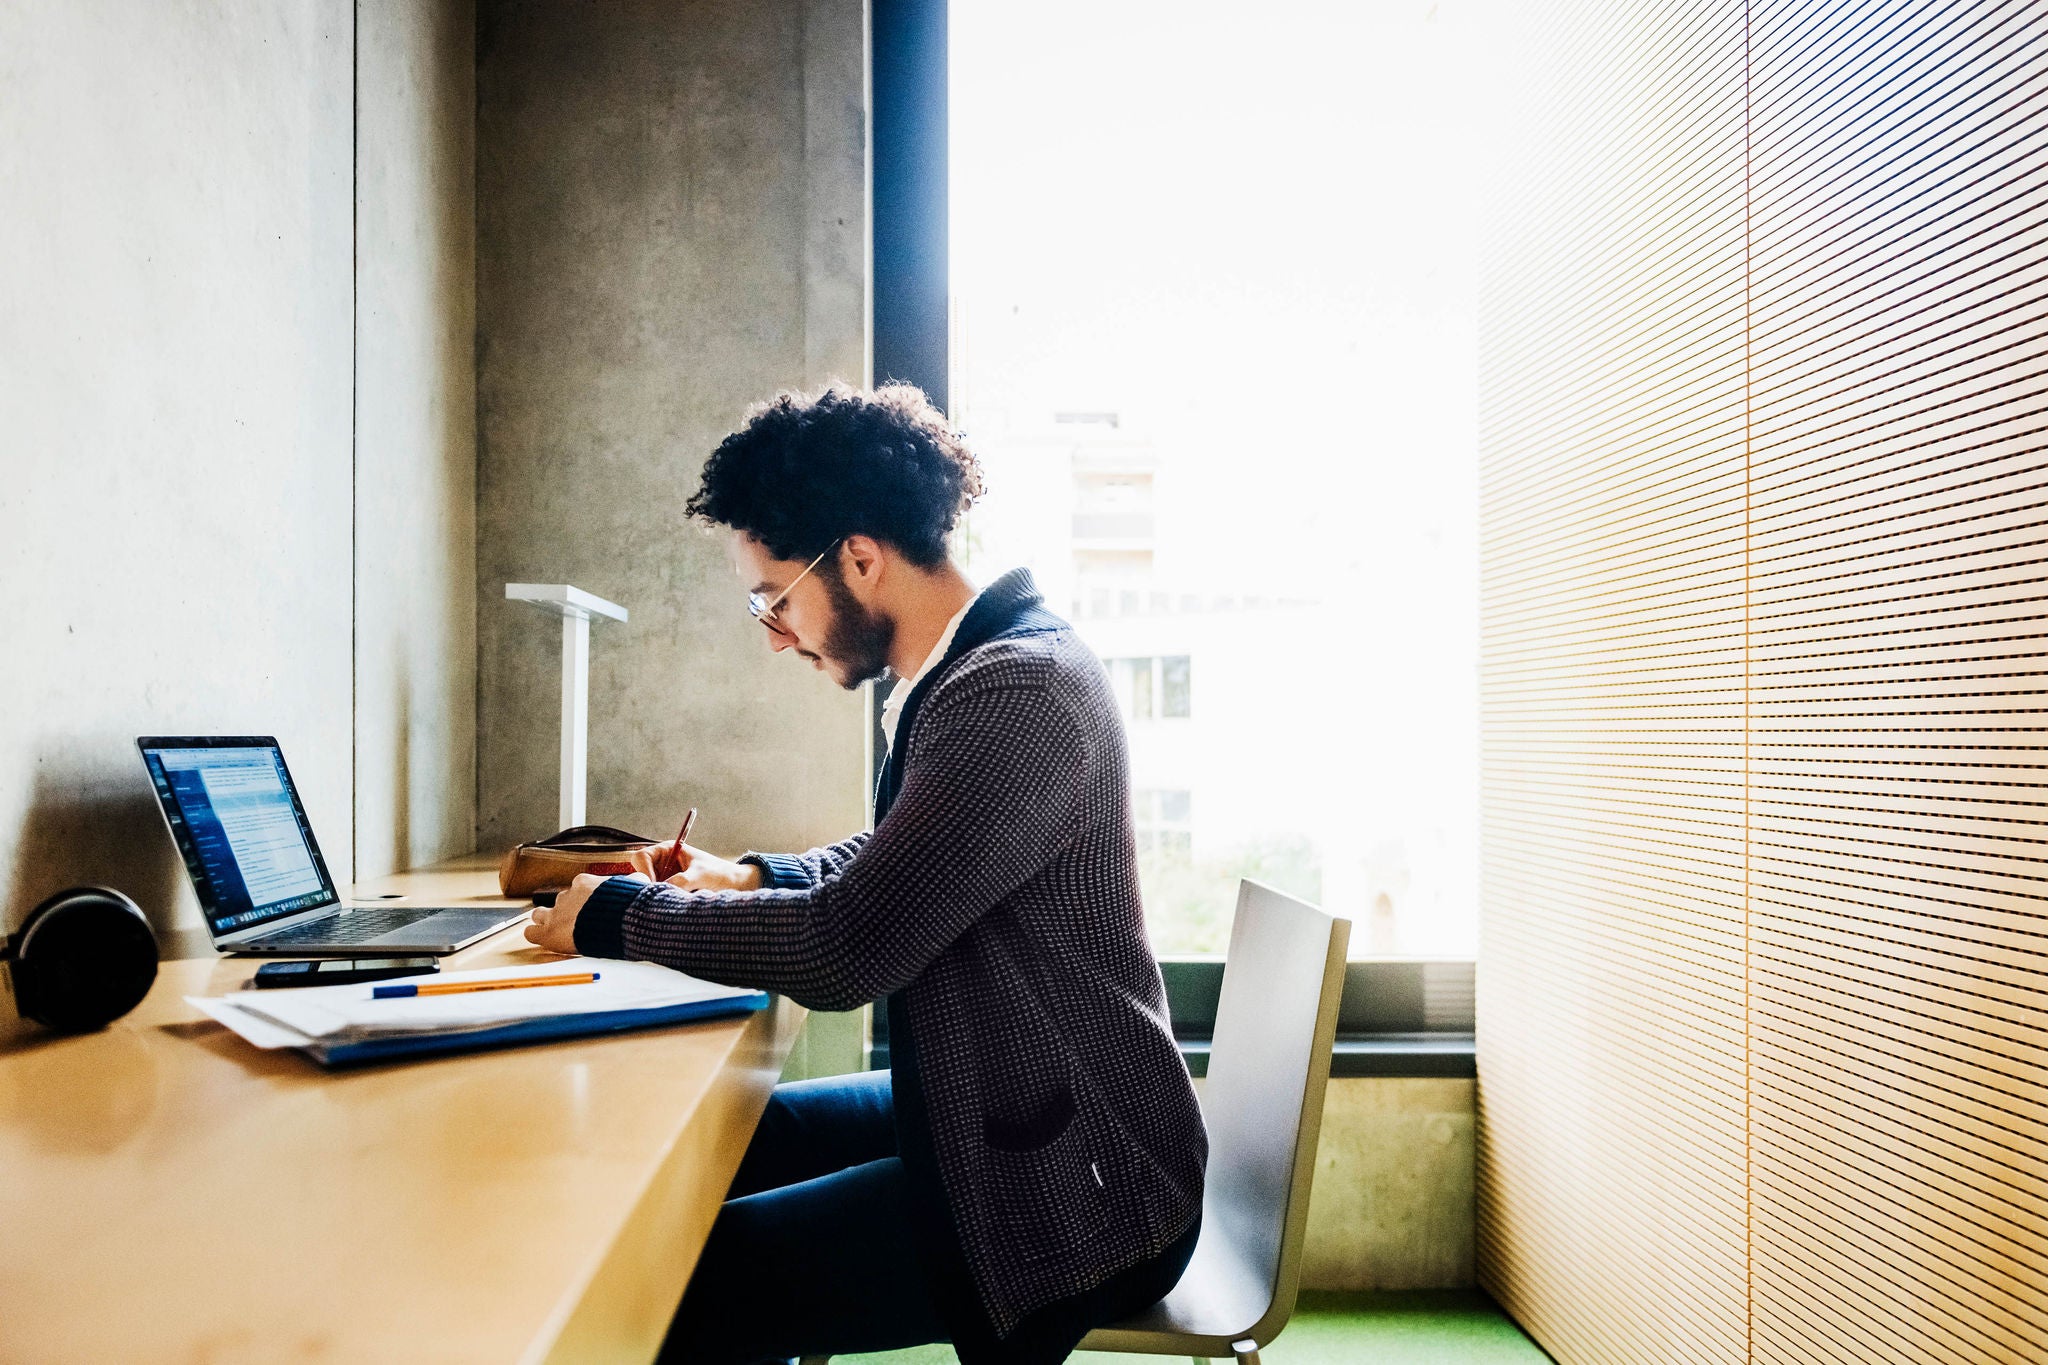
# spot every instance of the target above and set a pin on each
(997, 899)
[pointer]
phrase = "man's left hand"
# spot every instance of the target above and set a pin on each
(554, 926)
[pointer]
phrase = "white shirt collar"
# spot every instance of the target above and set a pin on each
(892, 705)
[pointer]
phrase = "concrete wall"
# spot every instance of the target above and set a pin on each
(177, 475)
(415, 433)
(1392, 1206)
(670, 227)
(174, 419)
(1392, 1203)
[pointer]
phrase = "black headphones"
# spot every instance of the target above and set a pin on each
(82, 959)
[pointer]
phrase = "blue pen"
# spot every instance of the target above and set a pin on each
(502, 983)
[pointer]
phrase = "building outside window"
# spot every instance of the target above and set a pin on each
(1218, 357)
(1164, 822)
(1153, 688)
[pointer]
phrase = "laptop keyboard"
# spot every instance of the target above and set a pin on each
(357, 926)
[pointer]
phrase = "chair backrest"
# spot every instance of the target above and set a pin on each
(1269, 1062)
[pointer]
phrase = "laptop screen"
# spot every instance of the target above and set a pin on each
(239, 825)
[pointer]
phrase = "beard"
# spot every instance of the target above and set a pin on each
(858, 640)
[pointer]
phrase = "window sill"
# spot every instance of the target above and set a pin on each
(1396, 1054)
(1385, 1054)
(1397, 1017)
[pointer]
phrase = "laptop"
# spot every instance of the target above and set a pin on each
(242, 831)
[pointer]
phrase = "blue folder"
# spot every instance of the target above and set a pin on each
(534, 1031)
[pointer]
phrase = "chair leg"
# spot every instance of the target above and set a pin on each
(1246, 1351)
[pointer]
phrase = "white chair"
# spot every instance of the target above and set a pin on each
(1269, 1062)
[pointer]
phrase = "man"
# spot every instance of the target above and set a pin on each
(1031, 1166)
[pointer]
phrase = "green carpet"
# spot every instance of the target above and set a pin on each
(1436, 1327)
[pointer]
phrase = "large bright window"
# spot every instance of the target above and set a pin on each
(1213, 337)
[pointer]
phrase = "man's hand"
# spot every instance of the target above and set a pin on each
(554, 927)
(704, 872)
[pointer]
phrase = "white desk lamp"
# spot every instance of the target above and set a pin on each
(577, 609)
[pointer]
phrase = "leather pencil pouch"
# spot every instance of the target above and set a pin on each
(552, 863)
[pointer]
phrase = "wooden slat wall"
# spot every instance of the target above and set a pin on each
(1898, 633)
(1763, 986)
(1611, 1214)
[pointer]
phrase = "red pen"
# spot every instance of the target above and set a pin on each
(675, 851)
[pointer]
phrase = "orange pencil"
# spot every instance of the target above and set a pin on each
(502, 983)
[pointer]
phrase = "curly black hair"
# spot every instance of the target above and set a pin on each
(806, 471)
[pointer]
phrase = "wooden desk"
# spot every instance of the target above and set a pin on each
(168, 1193)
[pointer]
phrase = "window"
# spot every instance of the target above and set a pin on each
(1213, 337)
(1152, 688)
(1173, 686)
(1164, 823)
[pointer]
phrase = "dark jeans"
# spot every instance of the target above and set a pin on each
(812, 1251)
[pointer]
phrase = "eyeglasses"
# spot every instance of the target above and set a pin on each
(761, 609)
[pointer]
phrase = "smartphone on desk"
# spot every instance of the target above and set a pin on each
(342, 971)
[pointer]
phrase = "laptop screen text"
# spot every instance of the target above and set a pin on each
(254, 851)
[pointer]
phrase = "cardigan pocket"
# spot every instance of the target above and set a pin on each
(1029, 1132)
(1051, 1200)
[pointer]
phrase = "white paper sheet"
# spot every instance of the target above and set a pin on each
(226, 1009)
(343, 1014)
